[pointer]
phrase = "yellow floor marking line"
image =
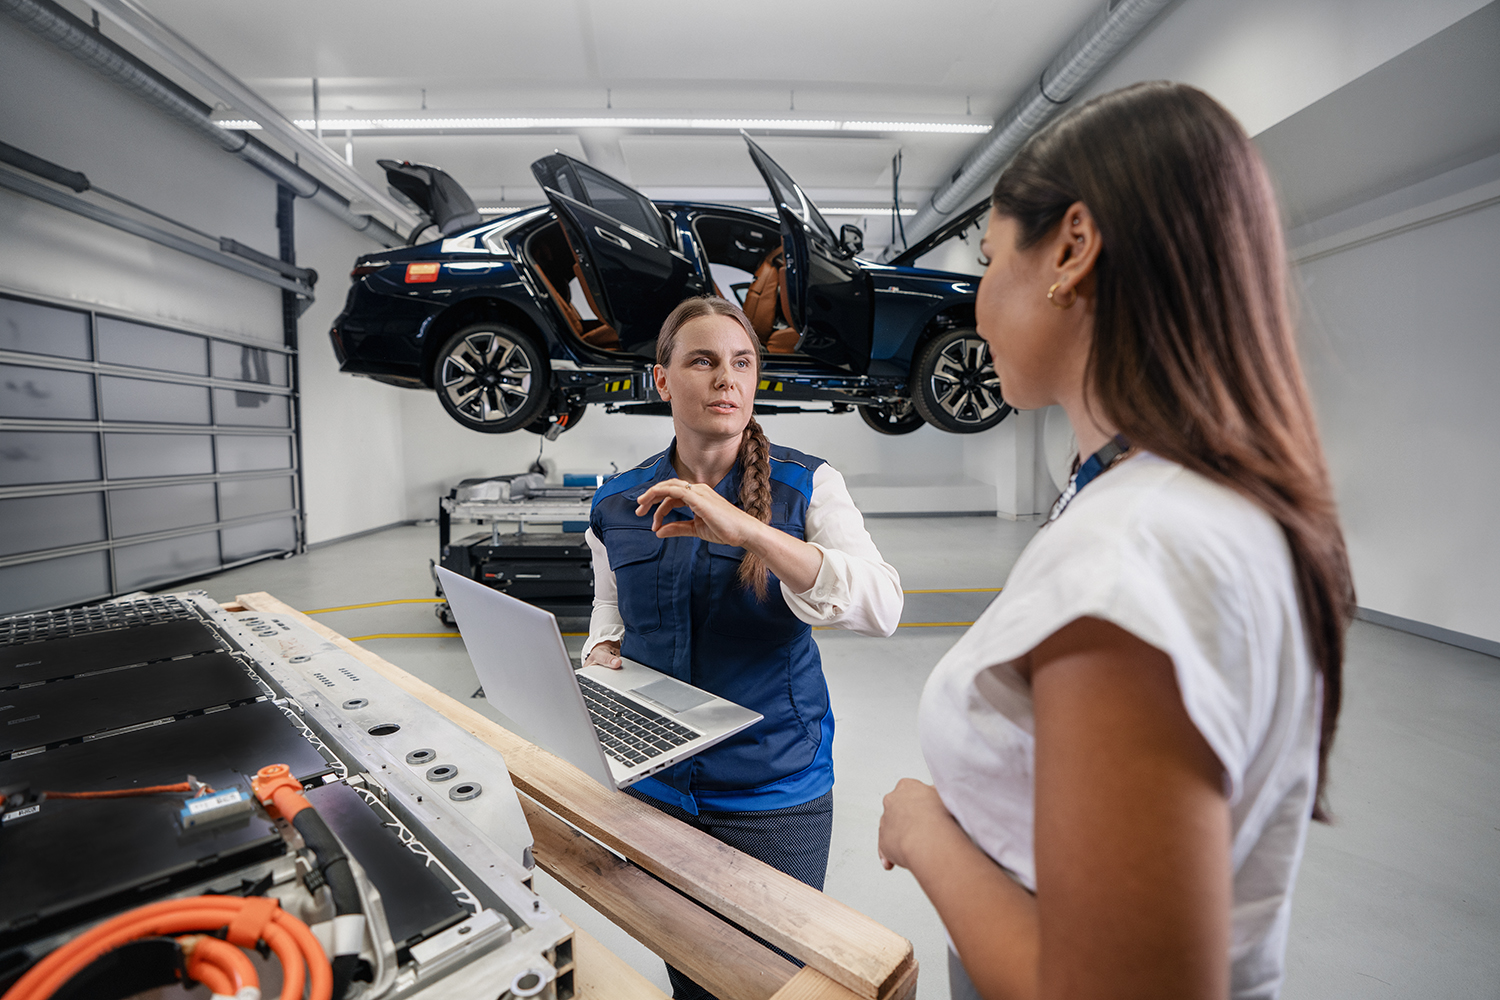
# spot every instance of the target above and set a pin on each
(439, 600)
(424, 635)
(376, 604)
(833, 628)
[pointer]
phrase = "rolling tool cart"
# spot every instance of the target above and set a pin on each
(552, 569)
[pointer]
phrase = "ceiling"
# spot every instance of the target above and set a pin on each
(958, 62)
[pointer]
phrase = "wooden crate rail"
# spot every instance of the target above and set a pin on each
(714, 891)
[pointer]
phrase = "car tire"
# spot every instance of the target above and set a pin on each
(563, 422)
(898, 417)
(955, 387)
(492, 378)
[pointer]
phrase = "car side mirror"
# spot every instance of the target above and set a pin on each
(852, 239)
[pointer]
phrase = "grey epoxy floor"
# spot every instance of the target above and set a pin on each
(1399, 898)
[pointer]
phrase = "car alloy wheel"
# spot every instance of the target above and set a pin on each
(896, 417)
(956, 387)
(492, 378)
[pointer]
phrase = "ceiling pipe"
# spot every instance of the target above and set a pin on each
(197, 65)
(78, 40)
(1081, 59)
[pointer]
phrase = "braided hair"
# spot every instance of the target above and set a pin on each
(755, 450)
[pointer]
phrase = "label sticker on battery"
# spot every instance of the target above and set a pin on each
(207, 802)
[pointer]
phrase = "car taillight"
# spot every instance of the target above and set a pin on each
(360, 270)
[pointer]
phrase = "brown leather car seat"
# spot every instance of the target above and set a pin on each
(765, 292)
(760, 297)
(602, 335)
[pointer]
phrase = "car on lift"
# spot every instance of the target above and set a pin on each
(526, 320)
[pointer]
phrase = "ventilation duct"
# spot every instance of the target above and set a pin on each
(1086, 53)
(78, 40)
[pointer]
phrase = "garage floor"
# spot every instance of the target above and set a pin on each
(1399, 898)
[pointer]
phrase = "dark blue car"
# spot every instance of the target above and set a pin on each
(523, 321)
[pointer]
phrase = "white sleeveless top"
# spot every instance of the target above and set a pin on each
(1203, 574)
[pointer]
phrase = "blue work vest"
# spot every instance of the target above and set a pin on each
(686, 614)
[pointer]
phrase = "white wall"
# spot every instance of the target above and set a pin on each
(353, 467)
(59, 110)
(1269, 59)
(56, 108)
(438, 452)
(1402, 329)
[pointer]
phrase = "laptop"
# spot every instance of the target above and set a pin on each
(617, 726)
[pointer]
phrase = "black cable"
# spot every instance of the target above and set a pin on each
(333, 865)
(896, 219)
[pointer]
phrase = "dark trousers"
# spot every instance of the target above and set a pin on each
(793, 840)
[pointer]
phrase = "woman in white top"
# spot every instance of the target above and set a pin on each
(1128, 744)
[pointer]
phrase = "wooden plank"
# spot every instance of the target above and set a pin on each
(837, 940)
(600, 974)
(719, 956)
(810, 984)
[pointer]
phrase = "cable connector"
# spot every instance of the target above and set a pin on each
(279, 792)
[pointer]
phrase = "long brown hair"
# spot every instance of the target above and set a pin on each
(1194, 351)
(755, 451)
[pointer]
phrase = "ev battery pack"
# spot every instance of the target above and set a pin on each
(552, 570)
(100, 855)
(81, 707)
(27, 663)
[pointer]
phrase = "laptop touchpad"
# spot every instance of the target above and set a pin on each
(674, 694)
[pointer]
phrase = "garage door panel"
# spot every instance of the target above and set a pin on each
(33, 457)
(28, 393)
(33, 328)
(138, 456)
(134, 400)
(137, 345)
(30, 524)
(240, 408)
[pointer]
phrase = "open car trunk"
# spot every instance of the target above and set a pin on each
(435, 192)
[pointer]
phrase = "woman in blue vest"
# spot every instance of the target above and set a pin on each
(712, 561)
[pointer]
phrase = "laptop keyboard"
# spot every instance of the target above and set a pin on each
(628, 731)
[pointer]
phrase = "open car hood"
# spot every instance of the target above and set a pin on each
(432, 190)
(974, 215)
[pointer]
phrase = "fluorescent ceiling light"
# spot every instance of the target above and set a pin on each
(713, 124)
(874, 210)
(969, 127)
(877, 210)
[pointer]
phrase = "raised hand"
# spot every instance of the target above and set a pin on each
(714, 518)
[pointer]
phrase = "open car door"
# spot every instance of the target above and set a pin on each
(623, 250)
(433, 191)
(828, 292)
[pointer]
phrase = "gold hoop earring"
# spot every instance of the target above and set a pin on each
(1072, 296)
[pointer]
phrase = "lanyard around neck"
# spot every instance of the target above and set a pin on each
(1098, 462)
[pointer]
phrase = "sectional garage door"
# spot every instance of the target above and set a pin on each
(133, 456)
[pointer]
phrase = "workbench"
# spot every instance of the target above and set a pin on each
(686, 896)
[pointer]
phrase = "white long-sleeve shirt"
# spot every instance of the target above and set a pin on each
(855, 588)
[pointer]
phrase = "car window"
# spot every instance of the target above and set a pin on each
(620, 202)
(786, 192)
(495, 237)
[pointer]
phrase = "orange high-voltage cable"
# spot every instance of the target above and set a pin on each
(249, 920)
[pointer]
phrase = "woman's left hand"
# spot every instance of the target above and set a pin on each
(913, 813)
(714, 518)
